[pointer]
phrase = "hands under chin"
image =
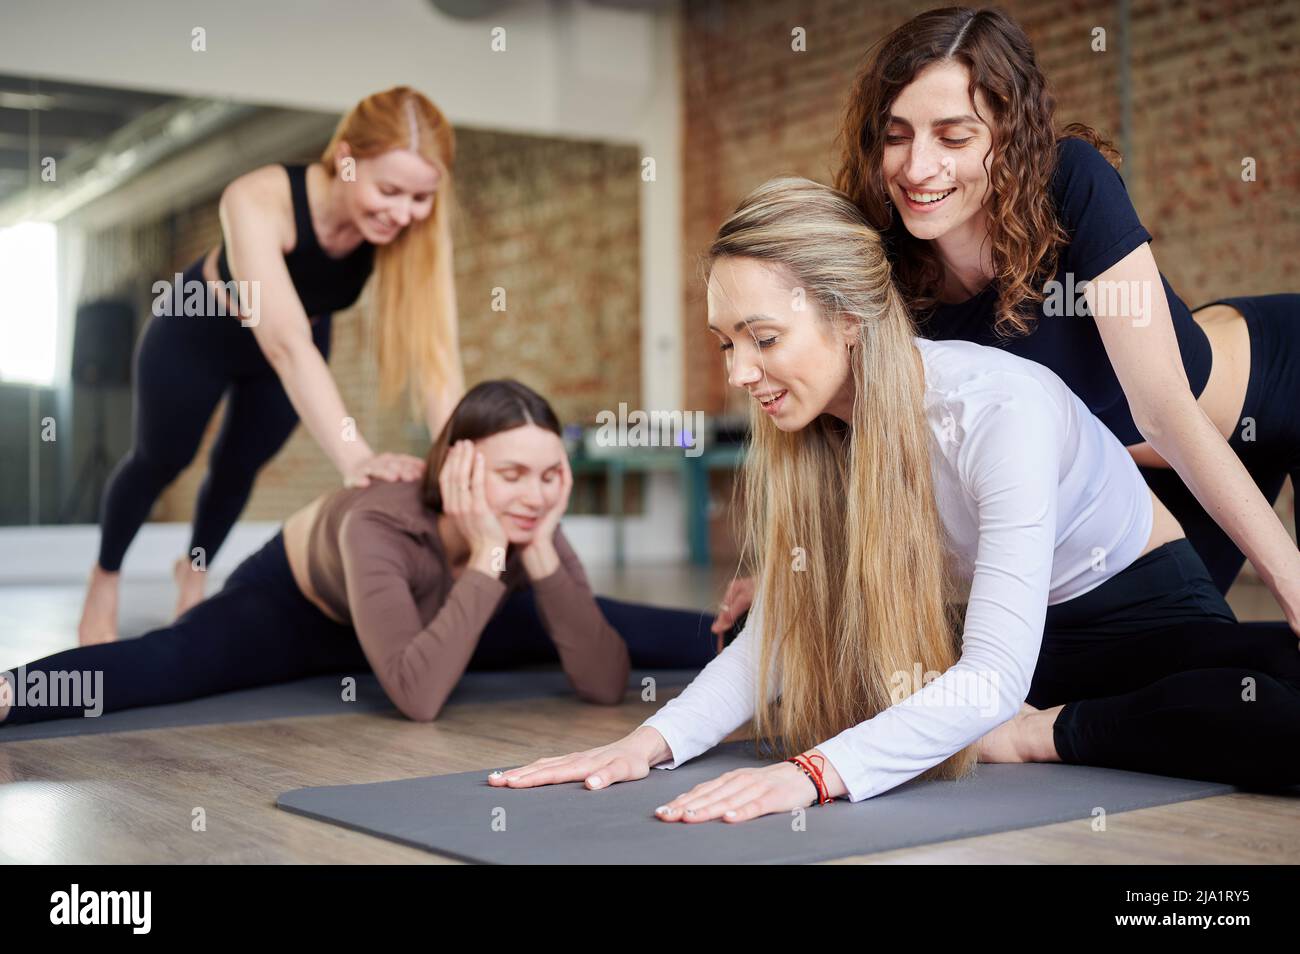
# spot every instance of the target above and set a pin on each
(538, 555)
(539, 558)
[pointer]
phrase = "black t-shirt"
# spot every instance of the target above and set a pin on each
(1093, 207)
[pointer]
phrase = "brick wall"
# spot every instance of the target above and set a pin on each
(1212, 82)
(553, 222)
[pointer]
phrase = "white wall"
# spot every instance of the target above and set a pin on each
(327, 54)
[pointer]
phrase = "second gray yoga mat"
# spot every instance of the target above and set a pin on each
(459, 815)
(321, 695)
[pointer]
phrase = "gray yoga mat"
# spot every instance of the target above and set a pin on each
(567, 824)
(321, 695)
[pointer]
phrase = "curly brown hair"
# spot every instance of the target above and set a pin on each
(1024, 231)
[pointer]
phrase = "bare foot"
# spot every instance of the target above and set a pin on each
(99, 613)
(189, 585)
(1008, 742)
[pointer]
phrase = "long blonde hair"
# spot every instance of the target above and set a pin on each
(841, 523)
(415, 331)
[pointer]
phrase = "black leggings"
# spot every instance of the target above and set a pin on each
(1157, 676)
(259, 629)
(1267, 437)
(183, 366)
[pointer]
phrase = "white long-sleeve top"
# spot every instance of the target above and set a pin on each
(1040, 502)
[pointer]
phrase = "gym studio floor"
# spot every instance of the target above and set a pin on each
(129, 797)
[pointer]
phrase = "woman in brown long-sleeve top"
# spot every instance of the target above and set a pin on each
(418, 581)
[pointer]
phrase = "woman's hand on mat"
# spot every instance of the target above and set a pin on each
(626, 760)
(738, 598)
(391, 467)
(746, 793)
(465, 502)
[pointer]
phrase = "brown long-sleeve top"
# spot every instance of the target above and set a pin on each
(376, 559)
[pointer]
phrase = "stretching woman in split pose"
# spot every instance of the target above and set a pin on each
(305, 238)
(417, 581)
(886, 472)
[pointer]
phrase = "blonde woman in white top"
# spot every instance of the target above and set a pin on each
(887, 474)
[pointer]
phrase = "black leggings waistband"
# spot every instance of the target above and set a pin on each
(1161, 588)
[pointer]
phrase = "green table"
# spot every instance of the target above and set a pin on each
(694, 472)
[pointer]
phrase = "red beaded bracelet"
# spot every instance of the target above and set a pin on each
(814, 772)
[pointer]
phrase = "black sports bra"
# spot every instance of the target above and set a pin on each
(323, 284)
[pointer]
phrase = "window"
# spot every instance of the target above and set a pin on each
(28, 300)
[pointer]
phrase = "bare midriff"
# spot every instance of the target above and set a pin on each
(297, 537)
(1222, 401)
(1225, 390)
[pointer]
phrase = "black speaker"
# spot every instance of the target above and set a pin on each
(102, 343)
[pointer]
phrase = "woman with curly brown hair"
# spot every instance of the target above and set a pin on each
(1005, 231)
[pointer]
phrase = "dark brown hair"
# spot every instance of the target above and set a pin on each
(487, 408)
(1023, 227)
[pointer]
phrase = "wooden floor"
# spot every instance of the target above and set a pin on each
(132, 797)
